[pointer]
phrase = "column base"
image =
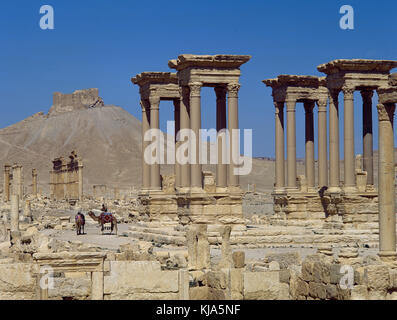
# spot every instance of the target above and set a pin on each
(388, 256)
(292, 189)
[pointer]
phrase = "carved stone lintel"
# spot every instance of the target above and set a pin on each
(386, 111)
(233, 89)
(195, 89)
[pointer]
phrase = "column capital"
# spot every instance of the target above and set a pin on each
(278, 106)
(322, 104)
(367, 94)
(348, 92)
(309, 106)
(195, 89)
(386, 111)
(233, 89)
(220, 92)
(154, 102)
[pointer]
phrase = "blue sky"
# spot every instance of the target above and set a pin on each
(102, 43)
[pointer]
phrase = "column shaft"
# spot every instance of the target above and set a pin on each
(155, 181)
(195, 125)
(145, 127)
(322, 144)
(349, 162)
(309, 143)
(34, 182)
(177, 118)
(6, 183)
(234, 146)
(80, 181)
(185, 125)
(280, 159)
(291, 144)
(14, 217)
(387, 217)
(334, 171)
(368, 163)
(221, 168)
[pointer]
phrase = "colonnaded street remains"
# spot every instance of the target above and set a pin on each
(129, 212)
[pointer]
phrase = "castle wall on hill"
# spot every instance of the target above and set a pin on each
(78, 100)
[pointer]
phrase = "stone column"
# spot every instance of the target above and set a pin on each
(203, 248)
(227, 260)
(80, 179)
(191, 239)
(17, 177)
(27, 212)
(145, 127)
(387, 216)
(309, 144)
(348, 107)
(34, 182)
(280, 160)
(322, 143)
(14, 213)
(177, 118)
(6, 193)
(291, 144)
(195, 125)
(155, 181)
(97, 285)
(234, 145)
(221, 168)
(334, 171)
(368, 163)
(185, 124)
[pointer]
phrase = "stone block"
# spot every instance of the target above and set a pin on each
(238, 259)
(17, 281)
(261, 286)
(378, 277)
(359, 292)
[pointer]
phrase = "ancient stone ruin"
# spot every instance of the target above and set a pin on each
(188, 235)
(66, 178)
(78, 100)
(194, 196)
